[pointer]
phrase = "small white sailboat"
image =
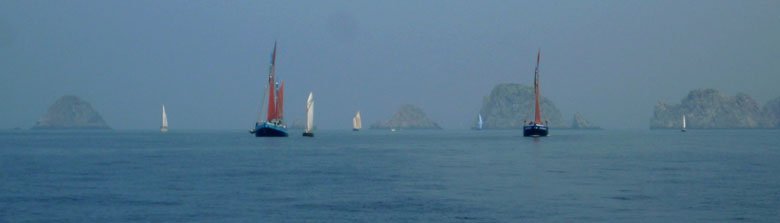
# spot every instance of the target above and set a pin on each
(357, 124)
(309, 116)
(479, 123)
(683, 124)
(164, 127)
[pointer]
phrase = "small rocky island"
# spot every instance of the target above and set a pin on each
(711, 109)
(509, 106)
(70, 112)
(579, 122)
(772, 112)
(407, 117)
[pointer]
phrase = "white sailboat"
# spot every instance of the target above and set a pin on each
(309, 116)
(357, 124)
(683, 124)
(164, 127)
(479, 122)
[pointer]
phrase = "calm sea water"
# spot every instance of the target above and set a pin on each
(382, 176)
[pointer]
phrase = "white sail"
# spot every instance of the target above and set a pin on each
(479, 123)
(356, 122)
(310, 113)
(683, 122)
(164, 127)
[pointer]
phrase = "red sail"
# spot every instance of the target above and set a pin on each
(538, 111)
(272, 88)
(271, 99)
(280, 102)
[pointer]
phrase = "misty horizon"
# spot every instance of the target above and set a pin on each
(611, 61)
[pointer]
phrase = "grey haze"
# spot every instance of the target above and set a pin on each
(206, 61)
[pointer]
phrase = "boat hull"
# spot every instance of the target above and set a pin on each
(163, 130)
(535, 131)
(308, 134)
(269, 130)
(355, 130)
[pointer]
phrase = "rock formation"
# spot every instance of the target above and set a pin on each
(408, 117)
(511, 105)
(708, 108)
(70, 112)
(772, 113)
(579, 122)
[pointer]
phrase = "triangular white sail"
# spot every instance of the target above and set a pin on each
(164, 127)
(683, 122)
(479, 123)
(310, 113)
(356, 122)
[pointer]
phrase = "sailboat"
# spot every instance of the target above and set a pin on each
(536, 127)
(357, 124)
(479, 123)
(309, 116)
(273, 125)
(164, 127)
(683, 124)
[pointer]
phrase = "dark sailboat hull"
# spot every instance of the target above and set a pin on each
(535, 130)
(308, 134)
(270, 130)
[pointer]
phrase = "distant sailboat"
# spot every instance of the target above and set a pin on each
(273, 125)
(683, 124)
(309, 116)
(164, 127)
(357, 124)
(479, 122)
(536, 127)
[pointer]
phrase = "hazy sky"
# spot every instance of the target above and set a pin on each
(207, 60)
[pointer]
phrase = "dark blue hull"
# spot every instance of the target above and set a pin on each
(535, 130)
(269, 130)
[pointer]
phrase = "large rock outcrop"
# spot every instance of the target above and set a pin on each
(70, 112)
(407, 117)
(772, 112)
(579, 122)
(708, 108)
(511, 105)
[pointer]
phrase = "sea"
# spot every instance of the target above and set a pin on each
(384, 176)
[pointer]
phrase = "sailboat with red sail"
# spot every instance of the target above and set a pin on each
(273, 125)
(536, 127)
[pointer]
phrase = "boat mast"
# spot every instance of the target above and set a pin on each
(271, 115)
(538, 111)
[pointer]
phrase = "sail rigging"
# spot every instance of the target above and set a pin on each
(537, 127)
(537, 93)
(275, 93)
(273, 125)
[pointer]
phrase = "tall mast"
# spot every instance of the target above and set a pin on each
(538, 111)
(272, 88)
